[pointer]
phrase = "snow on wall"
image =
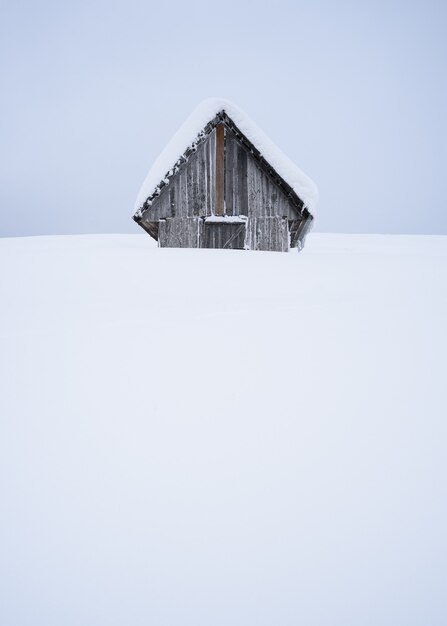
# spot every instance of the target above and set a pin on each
(207, 110)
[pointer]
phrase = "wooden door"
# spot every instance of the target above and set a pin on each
(228, 235)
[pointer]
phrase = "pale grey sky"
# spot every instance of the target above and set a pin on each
(354, 92)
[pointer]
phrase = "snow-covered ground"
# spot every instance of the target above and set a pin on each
(223, 438)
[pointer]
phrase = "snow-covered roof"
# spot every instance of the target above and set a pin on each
(187, 134)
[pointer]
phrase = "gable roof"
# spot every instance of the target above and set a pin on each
(191, 131)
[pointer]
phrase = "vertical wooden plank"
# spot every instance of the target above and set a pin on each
(196, 183)
(220, 169)
(209, 160)
(212, 170)
(252, 233)
(283, 205)
(268, 191)
(189, 188)
(162, 234)
(182, 193)
(286, 236)
(242, 181)
(263, 199)
(202, 181)
(229, 173)
(236, 204)
(172, 198)
(255, 232)
(205, 175)
(234, 178)
(248, 235)
(200, 224)
(274, 200)
(249, 189)
(206, 179)
(260, 187)
(253, 189)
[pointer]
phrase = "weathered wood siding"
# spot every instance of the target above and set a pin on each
(180, 232)
(219, 201)
(221, 235)
(257, 233)
(223, 177)
(193, 232)
(248, 189)
(265, 198)
(236, 193)
(191, 191)
(268, 233)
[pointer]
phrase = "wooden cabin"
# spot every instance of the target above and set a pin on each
(221, 183)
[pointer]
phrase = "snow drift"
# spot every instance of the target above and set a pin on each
(206, 437)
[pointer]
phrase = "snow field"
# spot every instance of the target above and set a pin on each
(223, 437)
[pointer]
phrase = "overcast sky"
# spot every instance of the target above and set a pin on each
(353, 92)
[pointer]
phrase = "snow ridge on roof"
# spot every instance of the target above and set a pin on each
(207, 110)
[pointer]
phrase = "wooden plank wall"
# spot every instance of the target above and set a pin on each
(220, 170)
(221, 235)
(192, 232)
(236, 197)
(248, 189)
(196, 191)
(265, 199)
(258, 233)
(191, 191)
(268, 233)
(180, 232)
